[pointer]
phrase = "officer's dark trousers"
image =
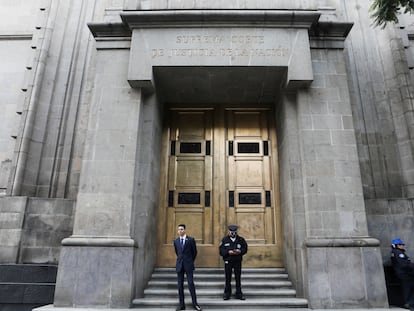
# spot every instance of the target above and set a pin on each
(407, 284)
(190, 283)
(229, 266)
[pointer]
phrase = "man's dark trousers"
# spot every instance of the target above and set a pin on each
(190, 283)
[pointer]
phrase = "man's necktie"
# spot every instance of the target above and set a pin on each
(182, 243)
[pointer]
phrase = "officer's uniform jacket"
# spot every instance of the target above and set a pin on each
(401, 263)
(227, 244)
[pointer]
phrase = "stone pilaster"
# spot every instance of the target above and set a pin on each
(96, 263)
(325, 225)
(338, 249)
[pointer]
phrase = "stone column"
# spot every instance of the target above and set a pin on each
(344, 266)
(96, 263)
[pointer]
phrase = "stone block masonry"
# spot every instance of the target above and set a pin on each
(31, 229)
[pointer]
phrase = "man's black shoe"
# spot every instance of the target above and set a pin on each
(180, 308)
(197, 307)
(241, 297)
(225, 297)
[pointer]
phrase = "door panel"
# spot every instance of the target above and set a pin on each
(187, 195)
(251, 185)
(220, 168)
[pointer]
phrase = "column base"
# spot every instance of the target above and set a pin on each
(345, 273)
(95, 272)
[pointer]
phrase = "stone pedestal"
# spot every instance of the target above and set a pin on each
(95, 272)
(345, 273)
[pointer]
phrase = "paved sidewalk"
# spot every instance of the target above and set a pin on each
(51, 308)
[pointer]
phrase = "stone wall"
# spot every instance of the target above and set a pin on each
(12, 211)
(17, 25)
(382, 100)
(389, 219)
(31, 229)
(46, 50)
(47, 222)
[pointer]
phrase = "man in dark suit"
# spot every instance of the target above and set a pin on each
(186, 251)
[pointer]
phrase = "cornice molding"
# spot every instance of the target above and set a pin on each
(330, 30)
(109, 30)
(329, 35)
(220, 18)
(322, 34)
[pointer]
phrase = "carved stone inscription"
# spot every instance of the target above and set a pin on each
(226, 46)
(232, 45)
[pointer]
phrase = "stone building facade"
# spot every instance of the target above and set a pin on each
(122, 118)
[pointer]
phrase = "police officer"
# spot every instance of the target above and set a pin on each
(404, 270)
(232, 249)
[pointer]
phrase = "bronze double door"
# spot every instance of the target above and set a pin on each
(219, 167)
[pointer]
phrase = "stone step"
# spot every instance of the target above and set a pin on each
(25, 293)
(218, 292)
(27, 273)
(221, 270)
(209, 303)
(172, 283)
(263, 289)
(214, 276)
(26, 285)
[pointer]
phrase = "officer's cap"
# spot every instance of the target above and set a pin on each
(398, 241)
(233, 228)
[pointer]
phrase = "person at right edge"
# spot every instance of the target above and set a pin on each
(232, 248)
(404, 270)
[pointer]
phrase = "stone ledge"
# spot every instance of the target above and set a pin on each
(331, 29)
(16, 36)
(111, 30)
(99, 241)
(342, 242)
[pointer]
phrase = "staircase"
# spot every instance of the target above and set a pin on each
(263, 288)
(26, 286)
